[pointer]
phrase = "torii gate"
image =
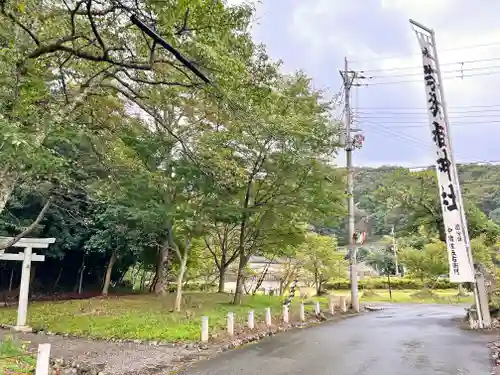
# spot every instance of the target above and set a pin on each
(26, 257)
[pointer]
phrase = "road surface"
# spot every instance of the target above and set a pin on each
(399, 340)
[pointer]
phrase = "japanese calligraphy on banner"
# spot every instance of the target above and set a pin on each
(461, 269)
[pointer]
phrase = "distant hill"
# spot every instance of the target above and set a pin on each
(480, 184)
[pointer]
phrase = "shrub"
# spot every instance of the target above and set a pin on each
(381, 283)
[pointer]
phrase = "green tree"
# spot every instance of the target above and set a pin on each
(321, 260)
(426, 264)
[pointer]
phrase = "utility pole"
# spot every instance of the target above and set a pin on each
(348, 78)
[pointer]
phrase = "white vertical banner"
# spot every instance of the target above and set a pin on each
(461, 269)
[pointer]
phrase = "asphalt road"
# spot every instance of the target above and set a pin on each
(399, 340)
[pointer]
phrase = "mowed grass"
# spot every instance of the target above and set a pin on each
(147, 317)
(14, 359)
(444, 296)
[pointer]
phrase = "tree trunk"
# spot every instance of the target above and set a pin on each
(152, 286)
(79, 276)
(80, 281)
(56, 284)
(222, 277)
(143, 279)
(240, 280)
(317, 282)
(7, 184)
(32, 280)
(389, 285)
(107, 279)
(11, 278)
(134, 275)
(180, 278)
(261, 278)
(161, 286)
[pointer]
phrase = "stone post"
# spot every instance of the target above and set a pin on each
(204, 328)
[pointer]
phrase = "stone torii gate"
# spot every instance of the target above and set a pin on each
(26, 257)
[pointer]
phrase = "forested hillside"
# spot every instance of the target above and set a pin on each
(406, 199)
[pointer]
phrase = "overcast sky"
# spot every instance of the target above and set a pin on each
(376, 37)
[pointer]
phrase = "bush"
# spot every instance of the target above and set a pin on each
(381, 283)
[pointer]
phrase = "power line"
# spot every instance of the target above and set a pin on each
(484, 163)
(402, 136)
(445, 78)
(419, 73)
(390, 57)
(421, 124)
(423, 112)
(419, 67)
(450, 106)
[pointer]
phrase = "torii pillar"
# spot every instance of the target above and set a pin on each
(26, 257)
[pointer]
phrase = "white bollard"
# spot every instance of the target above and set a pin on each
(268, 316)
(343, 304)
(285, 314)
(251, 320)
(204, 328)
(230, 323)
(331, 305)
(302, 312)
(42, 359)
(317, 308)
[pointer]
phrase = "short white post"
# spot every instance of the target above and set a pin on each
(42, 359)
(317, 308)
(302, 312)
(230, 323)
(204, 328)
(268, 316)
(331, 305)
(251, 320)
(22, 310)
(285, 314)
(343, 304)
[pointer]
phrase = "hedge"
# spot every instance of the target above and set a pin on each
(381, 283)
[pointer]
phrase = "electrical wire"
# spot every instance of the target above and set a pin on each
(420, 108)
(444, 78)
(419, 73)
(415, 124)
(390, 57)
(419, 67)
(403, 136)
(429, 166)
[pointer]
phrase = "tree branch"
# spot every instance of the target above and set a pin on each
(18, 23)
(94, 28)
(32, 226)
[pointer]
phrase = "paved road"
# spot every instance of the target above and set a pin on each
(399, 340)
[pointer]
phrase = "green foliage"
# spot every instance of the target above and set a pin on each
(402, 283)
(320, 259)
(426, 264)
(14, 357)
(142, 160)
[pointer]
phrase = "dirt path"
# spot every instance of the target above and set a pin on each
(114, 358)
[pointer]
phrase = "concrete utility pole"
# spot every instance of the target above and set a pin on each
(348, 78)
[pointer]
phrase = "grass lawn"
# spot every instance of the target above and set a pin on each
(446, 296)
(14, 359)
(147, 317)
